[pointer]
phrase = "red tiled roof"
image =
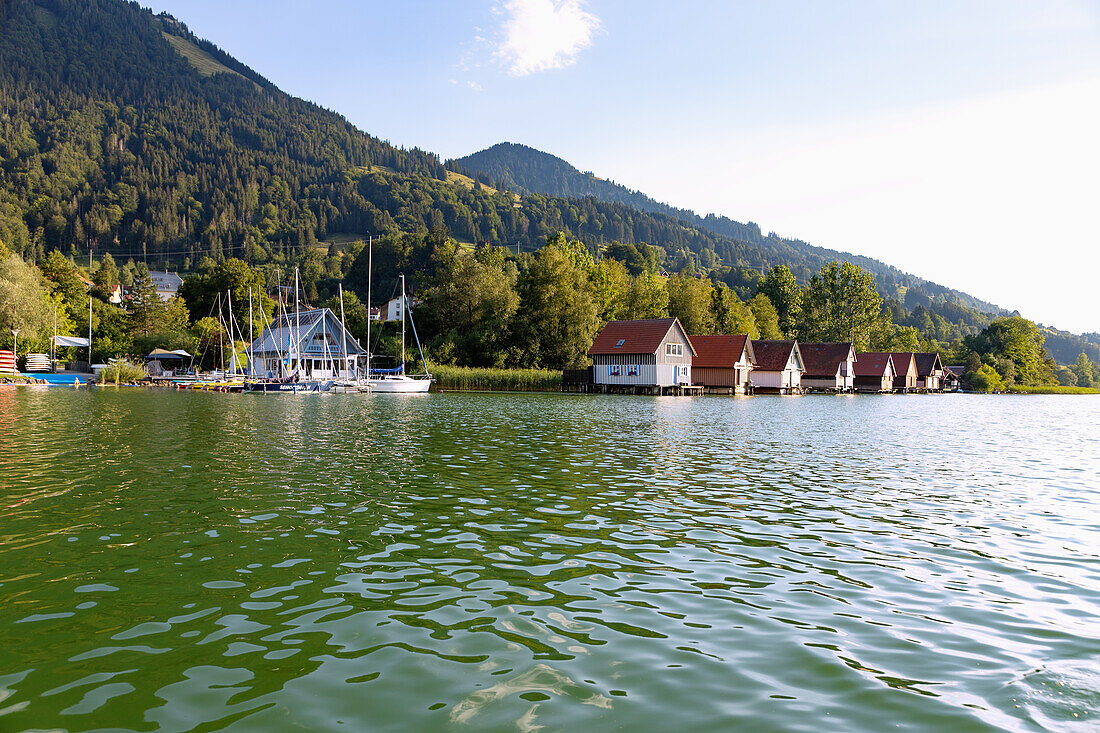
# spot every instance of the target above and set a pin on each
(901, 361)
(872, 364)
(638, 337)
(719, 351)
(927, 363)
(772, 356)
(823, 360)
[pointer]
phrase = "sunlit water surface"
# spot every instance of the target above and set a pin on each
(202, 562)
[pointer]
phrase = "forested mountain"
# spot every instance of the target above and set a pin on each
(122, 132)
(525, 169)
(112, 139)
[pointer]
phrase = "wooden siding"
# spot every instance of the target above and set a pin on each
(737, 377)
(674, 336)
(634, 375)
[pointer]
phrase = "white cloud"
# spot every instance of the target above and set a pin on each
(539, 35)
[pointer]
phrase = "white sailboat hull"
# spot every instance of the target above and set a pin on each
(399, 384)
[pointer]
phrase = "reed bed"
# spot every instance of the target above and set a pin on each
(1018, 389)
(122, 371)
(481, 379)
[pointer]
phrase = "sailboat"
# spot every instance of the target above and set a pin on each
(395, 380)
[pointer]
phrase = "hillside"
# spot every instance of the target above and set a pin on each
(525, 169)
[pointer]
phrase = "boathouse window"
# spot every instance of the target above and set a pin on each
(674, 349)
(620, 344)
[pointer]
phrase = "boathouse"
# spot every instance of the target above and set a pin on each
(722, 363)
(830, 367)
(905, 368)
(929, 372)
(648, 356)
(778, 368)
(306, 343)
(952, 378)
(874, 372)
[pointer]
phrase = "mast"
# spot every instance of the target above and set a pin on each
(344, 330)
(324, 341)
(370, 269)
(221, 340)
(53, 344)
(297, 325)
(402, 323)
(251, 364)
(89, 332)
(229, 328)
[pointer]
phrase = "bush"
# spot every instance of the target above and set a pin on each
(122, 371)
(986, 379)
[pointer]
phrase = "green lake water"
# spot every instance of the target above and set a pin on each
(205, 562)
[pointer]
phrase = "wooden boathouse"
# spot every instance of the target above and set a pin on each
(778, 367)
(875, 372)
(723, 364)
(829, 367)
(905, 366)
(643, 357)
(929, 372)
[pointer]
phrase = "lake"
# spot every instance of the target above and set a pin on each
(512, 562)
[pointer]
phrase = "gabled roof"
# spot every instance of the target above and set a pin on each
(635, 337)
(957, 371)
(166, 280)
(824, 359)
(279, 336)
(720, 351)
(873, 364)
(902, 360)
(772, 356)
(928, 363)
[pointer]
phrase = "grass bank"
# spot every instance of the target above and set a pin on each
(478, 379)
(1051, 390)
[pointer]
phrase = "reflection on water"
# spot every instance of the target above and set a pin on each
(186, 562)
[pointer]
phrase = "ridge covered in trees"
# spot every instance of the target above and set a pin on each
(525, 169)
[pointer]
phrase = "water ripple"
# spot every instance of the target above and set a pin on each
(512, 562)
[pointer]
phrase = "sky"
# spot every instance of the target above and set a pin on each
(954, 140)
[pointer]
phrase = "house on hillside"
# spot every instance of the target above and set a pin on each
(392, 309)
(166, 283)
(875, 372)
(778, 368)
(929, 372)
(650, 356)
(830, 367)
(905, 371)
(722, 363)
(307, 343)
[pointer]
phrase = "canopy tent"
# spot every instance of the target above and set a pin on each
(70, 341)
(164, 354)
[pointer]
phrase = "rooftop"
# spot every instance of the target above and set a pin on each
(720, 351)
(633, 337)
